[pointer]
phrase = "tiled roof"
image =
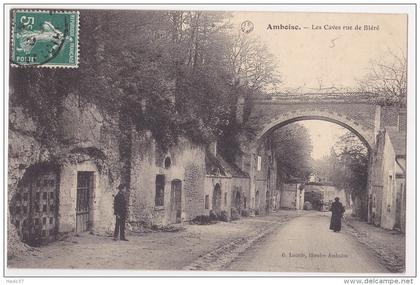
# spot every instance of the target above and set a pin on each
(216, 165)
(398, 140)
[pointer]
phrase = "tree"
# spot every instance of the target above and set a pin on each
(251, 72)
(387, 80)
(167, 72)
(350, 171)
(292, 146)
(251, 64)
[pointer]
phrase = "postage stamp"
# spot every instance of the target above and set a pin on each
(45, 38)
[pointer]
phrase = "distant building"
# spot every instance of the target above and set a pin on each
(321, 195)
(292, 194)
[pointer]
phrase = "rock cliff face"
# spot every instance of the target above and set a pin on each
(83, 136)
(88, 143)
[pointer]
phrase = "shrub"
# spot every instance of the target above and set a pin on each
(224, 216)
(245, 213)
(213, 216)
(202, 220)
(234, 215)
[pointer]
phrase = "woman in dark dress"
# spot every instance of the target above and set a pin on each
(337, 210)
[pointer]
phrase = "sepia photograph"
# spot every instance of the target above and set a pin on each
(207, 140)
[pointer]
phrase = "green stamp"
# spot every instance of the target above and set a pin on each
(45, 38)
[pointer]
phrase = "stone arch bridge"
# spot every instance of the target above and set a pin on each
(354, 111)
(358, 112)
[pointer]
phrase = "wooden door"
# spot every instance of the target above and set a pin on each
(34, 208)
(257, 200)
(176, 201)
(217, 199)
(84, 190)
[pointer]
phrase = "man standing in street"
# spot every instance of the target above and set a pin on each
(120, 212)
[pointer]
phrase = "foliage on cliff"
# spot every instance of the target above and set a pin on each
(172, 72)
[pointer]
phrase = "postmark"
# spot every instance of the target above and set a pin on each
(45, 38)
(247, 26)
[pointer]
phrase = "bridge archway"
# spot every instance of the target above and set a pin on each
(366, 135)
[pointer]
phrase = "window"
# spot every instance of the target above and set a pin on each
(225, 198)
(168, 162)
(206, 202)
(258, 163)
(160, 190)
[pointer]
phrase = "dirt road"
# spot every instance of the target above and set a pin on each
(305, 244)
(286, 241)
(196, 247)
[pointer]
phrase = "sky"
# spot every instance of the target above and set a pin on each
(323, 136)
(326, 50)
(318, 53)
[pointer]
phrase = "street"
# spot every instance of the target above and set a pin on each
(306, 245)
(285, 241)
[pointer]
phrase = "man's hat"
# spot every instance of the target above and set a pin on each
(121, 186)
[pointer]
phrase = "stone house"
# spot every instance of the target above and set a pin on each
(166, 187)
(393, 180)
(292, 195)
(226, 186)
(387, 188)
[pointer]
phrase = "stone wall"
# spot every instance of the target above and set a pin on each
(389, 183)
(288, 198)
(187, 165)
(242, 185)
(264, 179)
(194, 184)
(86, 141)
(89, 142)
(375, 182)
(101, 219)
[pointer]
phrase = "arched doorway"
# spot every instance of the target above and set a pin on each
(217, 199)
(237, 201)
(257, 200)
(34, 207)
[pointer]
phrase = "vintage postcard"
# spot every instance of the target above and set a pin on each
(207, 139)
